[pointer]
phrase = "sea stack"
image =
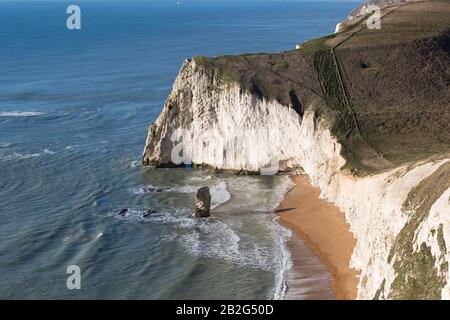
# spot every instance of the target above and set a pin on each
(202, 202)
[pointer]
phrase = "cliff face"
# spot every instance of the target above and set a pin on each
(221, 126)
(225, 115)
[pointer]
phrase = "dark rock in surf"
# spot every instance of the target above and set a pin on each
(148, 212)
(122, 212)
(153, 189)
(202, 202)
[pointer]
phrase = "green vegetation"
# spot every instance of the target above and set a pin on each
(383, 92)
(441, 240)
(315, 45)
(281, 66)
(221, 71)
(152, 129)
(334, 93)
(380, 290)
(339, 113)
(397, 79)
(442, 247)
(417, 277)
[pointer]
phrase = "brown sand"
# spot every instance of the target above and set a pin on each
(325, 231)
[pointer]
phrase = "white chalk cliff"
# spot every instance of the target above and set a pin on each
(225, 127)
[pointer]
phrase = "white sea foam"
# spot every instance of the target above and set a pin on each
(284, 262)
(282, 235)
(280, 191)
(135, 164)
(219, 194)
(184, 189)
(209, 238)
(20, 114)
(148, 189)
(72, 146)
(16, 156)
(48, 151)
(20, 156)
(199, 179)
(216, 239)
(219, 191)
(227, 238)
(177, 216)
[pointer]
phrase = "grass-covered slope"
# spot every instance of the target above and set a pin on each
(398, 78)
(417, 276)
(384, 92)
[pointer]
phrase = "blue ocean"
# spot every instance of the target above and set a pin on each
(74, 110)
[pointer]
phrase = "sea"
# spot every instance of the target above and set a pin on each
(75, 106)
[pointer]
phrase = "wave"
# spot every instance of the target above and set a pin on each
(73, 146)
(285, 262)
(280, 191)
(206, 238)
(213, 238)
(199, 179)
(47, 151)
(219, 191)
(152, 189)
(226, 237)
(219, 194)
(15, 156)
(154, 215)
(135, 164)
(20, 114)
(4, 144)
(282, 236)
(21, 156)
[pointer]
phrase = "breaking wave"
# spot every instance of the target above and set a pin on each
(21, 156)
(219, 194)
(20, 114)
(208, 238)
(223, 236)
(16, 156)
(219, 191)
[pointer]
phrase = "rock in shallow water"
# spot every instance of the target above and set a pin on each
(202, 202)
(148, 213)
(122, 212)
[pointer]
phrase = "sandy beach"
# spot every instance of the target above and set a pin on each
(322, 227)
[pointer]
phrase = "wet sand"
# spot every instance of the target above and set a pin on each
(322, 227)
(308, 278)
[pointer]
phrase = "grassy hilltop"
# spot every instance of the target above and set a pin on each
(384, 92)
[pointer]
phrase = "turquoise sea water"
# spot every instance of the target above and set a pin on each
(74, 111)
